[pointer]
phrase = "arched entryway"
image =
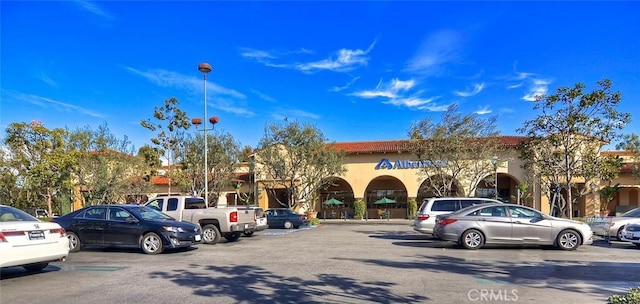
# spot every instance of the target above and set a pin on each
(427, 190)
(507, 189)
(336, 200)
(391, 189)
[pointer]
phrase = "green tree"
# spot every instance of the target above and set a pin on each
(245, 154)
(39, 157)
(295, 157)
(170, 123)
(222, 159)
(565, 140)
(631, 144)
(105, 168)
(457, 149)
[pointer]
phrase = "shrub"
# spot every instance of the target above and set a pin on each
(631, 297)
(314, 221)
(359, 208)
(412, 208)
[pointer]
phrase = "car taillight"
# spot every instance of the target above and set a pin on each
(4, 234)
(423, 217)
(233, 217)
(57, 230)
(445, 222)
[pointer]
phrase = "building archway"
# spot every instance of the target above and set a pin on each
(389, 187)
(426, 191)
(340, 190)
(507, 189)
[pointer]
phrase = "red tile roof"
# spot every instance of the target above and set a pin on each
(396, 146)
(160, 180)
(617, 153)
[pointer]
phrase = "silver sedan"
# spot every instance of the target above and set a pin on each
(475, 226)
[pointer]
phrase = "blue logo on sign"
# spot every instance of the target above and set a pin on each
(384, 164)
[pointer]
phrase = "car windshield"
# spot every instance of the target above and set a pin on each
(632, 213)
(150, 214)
(10, 214)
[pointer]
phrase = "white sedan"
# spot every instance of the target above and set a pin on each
(631, 233)
(28, 242)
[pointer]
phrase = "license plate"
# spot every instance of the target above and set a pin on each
(629, 235)
(198, 238)
(36, 235)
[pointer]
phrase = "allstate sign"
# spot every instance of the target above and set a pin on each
(408, 164)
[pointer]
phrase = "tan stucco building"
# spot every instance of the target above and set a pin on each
(378, 169)
(383, 169)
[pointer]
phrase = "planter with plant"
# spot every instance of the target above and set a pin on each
(631, 297)
(412, 208)
(607, 195)
(359, 208)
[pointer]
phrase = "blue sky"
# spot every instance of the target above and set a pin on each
(360, 71)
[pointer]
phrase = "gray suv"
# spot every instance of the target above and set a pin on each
(431, 207)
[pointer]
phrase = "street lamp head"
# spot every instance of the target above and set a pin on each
(214, 120)
(204, 67)
(494, 160)
(196, 121)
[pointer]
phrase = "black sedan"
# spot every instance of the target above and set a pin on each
(127, 226)
(285, 218)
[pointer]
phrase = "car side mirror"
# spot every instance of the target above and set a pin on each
(131, 220)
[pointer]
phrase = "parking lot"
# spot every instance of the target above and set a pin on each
(332, 263)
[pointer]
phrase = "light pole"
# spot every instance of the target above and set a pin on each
(205, 68)
(494, 162)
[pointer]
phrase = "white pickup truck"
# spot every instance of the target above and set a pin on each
(215, 222)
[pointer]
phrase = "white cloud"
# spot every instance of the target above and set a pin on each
(263, 96)
(390, 90)
(346, 86)
(537, 87)
(166, 78)
(440, 48)
(93, 8)
(435, 108)
(395, 93)
(343, 60)
(483, 111)
(477, 88)
(305, 114)
(193, 85)
(256, 54)
(411, 102)
(48, 103)
(48, 80)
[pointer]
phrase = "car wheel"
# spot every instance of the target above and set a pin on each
(288, 224)
(74, 242)
(151, 243)
(248, 233)
(210, 234)
(568, 240)
(35, 267)
(619, 234)
(232, 237)
(472, 239)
